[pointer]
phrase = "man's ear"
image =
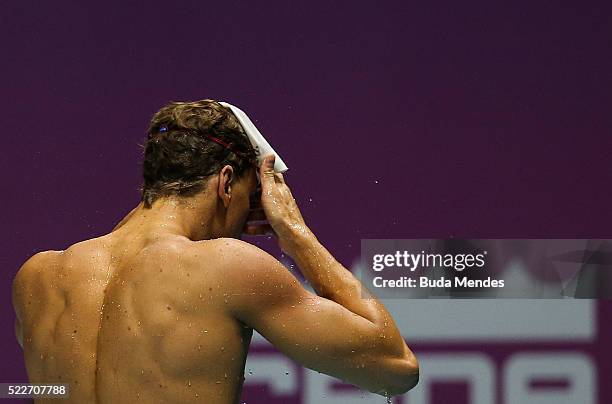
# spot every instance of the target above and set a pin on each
(226, 180)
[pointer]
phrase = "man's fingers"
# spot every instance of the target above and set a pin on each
(267, 168)
(269, 179)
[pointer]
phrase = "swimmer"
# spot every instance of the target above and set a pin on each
(162, 308)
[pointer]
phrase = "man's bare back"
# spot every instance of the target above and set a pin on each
(146, 313)
(126, 317)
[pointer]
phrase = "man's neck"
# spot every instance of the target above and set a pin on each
(192, 218)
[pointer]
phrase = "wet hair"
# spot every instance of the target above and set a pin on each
(186, 143)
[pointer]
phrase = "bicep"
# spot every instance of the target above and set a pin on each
(314, 331)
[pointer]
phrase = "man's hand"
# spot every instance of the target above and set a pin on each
(276, 207)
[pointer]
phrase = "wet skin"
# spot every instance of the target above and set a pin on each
(162, 309)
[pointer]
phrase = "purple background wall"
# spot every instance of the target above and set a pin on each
(396, 120)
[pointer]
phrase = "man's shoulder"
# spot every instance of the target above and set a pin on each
(250, 275)
(230, 248)
(40, 259)
(237, 256)
(34, 266)
(47, 261)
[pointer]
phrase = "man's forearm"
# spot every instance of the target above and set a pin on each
(332, 280)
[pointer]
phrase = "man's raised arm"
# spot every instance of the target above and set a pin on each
(344, 331)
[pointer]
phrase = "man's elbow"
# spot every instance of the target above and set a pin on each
(406, 377)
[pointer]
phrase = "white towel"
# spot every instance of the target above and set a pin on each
(261, 145)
